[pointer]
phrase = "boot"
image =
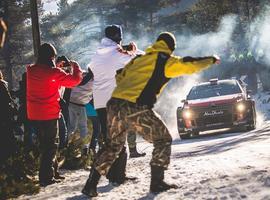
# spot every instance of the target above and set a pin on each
(133, 153)
(90, 188)
(57, 176)
(157, 180)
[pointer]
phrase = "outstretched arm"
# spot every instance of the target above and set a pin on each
(177, 66)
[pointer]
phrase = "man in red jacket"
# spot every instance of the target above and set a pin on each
(43, 84)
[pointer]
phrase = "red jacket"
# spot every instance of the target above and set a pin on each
(43, 85)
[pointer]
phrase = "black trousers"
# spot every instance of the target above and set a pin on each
(63, 133)
(102, 116)
(47, 133)
(7, 142)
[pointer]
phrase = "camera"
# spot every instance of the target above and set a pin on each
(128, 47)
(64, 59)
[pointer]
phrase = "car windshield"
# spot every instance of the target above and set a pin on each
(214, 90)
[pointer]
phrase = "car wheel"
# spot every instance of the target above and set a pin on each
(251, 127)
(252, 124)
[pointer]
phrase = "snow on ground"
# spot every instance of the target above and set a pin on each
(219, 165)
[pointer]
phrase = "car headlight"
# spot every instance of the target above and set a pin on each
(240, 107)
(187, 114)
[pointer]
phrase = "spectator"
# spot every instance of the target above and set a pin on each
(79, 97)
(43, 84)
(92, 116)
(7, 142)
(131, 108)
(109, 60)
(30, 132)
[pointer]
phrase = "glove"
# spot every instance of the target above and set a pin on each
(216, 59)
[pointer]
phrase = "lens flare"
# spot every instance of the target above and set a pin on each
(241, 107)
(187, 114)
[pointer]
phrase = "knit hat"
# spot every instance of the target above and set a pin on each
(169, 38)
(45, 54)
(114, 32)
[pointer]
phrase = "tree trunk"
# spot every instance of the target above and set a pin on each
(35, 26)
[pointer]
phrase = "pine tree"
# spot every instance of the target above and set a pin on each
(17, 51)
(62, 5)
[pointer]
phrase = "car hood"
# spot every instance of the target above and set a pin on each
(215, 100)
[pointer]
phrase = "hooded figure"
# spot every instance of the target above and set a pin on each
(108, 59)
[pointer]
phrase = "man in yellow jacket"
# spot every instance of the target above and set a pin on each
(130, 108)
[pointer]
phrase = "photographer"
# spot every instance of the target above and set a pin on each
(44, 81)
(108, 60)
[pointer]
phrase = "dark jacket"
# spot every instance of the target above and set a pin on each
(6, 110)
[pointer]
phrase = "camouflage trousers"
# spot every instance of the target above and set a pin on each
(124, 117)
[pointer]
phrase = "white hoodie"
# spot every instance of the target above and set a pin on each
(104, 64)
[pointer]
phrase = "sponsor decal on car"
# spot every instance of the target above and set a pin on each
(213, 112)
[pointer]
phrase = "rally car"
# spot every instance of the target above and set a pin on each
(216, 104)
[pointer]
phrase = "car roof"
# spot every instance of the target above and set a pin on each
(218, 81)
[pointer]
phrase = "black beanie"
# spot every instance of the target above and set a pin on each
(114, 32)
(45, 53)
(169, 38)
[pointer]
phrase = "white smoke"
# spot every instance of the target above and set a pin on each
(192, 45)
(209, 43)
(260, 37)
(82, 41)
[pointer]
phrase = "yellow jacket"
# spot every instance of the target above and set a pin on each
(143, 78)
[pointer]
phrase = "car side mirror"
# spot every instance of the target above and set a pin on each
(183, 101)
